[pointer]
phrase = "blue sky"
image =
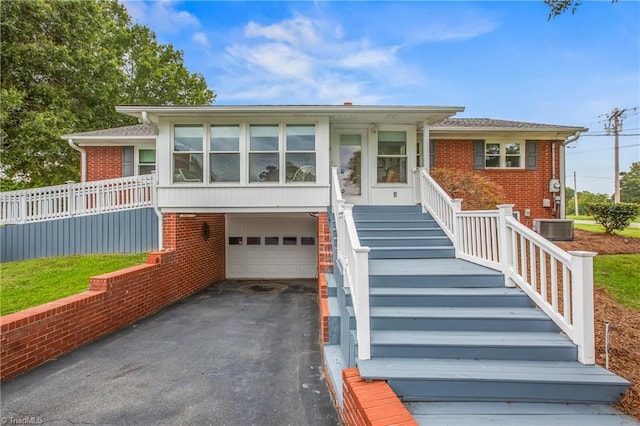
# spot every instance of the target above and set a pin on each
(498, 59)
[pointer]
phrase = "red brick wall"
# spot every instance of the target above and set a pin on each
(524, 188)
(103, 162)
(188, 264)
(323, 304)
(325, 254)
(371, 403)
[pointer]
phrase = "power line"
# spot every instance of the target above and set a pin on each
(603, 149)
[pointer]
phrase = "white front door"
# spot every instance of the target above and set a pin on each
(351, 147)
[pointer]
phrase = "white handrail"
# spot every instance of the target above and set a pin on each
(354, 260)
(560, 283)
(77, 199)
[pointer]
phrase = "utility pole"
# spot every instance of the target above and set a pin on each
(615, 125)
(575, 192)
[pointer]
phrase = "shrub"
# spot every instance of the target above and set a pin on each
(477, 192)
(613, 216)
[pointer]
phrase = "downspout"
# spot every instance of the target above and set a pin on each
(83, 160)
(563, 195)
(156, 209)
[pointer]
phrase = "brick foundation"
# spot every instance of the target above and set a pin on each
(371, 403)
(325, 254)
(189, 263)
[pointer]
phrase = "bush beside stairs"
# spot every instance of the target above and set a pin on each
(455, 344)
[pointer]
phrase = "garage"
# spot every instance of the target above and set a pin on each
(267, 246)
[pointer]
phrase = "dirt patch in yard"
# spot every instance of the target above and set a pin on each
(624, 322)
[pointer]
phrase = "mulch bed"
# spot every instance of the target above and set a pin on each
(624, 322)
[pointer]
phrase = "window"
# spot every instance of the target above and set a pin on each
(264, 156)
(503, 155)
(146, 161)
(224, 157)
(253, 241)
(300, 156)
(271, 241)
(307, 241)
(187, 153)
(289, 241)
(392, 157)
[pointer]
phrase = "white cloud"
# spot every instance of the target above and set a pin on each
(299, 30)
(162, 16)
(201, 39)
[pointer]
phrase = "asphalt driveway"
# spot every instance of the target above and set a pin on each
(237, 353)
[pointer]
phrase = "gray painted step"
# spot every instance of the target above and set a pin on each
(387, 209)
(433, 252)
(397, 216)
(431, 273)
(411, 223)
(401, 232)
(408, 241)
(458, 319)
(451, 297)
(425, 379)
(534, 346)
(516, 413)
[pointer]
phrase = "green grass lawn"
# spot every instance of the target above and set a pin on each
(620, 275)
(28, 283)
(585, 217)
(627, 232)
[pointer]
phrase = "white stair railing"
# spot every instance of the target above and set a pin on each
(354, 260)
(559, 282)
(77, 199)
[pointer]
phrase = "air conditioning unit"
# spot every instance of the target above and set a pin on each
(554, 229)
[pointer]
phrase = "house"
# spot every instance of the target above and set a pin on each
(462, 308)
(267, 168)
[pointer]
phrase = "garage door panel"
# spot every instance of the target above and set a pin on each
(262, 260)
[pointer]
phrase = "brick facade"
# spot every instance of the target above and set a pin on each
(325, 254)
(103, 162)
(190, 262)
(524, 188)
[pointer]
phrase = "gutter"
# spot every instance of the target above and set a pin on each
(83, 160)
(563, 186)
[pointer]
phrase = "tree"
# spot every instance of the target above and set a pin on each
(558, 7)
(476, 191)
(630, 184)
(65, 65)
(584, 198)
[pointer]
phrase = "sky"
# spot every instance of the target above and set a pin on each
(498, 59)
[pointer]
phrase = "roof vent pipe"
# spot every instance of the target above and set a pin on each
(348, 104)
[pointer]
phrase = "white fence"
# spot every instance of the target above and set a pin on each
(560, 283)
(77, 199)
(354, 259)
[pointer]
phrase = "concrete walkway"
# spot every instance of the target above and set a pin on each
(238, 353)
(592, 222)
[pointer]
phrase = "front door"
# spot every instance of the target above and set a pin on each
(352, 165)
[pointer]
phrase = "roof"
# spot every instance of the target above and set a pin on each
(135, 131)
(338, 114)
(492, 124)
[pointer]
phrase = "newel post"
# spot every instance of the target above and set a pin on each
(582, 304)
(456, 229)
(505, 244)
(71, 201)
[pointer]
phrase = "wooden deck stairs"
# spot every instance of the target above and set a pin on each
(455, 344)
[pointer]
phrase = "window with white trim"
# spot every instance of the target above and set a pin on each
(146, 161)
(224, 154)
(392, 157)
(300, 155)
(188, 153)
(264, 153)
(504, 155)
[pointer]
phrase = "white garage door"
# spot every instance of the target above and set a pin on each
(271, 246)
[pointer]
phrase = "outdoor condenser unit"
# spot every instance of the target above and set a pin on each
(554, 229)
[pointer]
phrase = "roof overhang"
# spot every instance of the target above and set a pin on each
(337, 114)
(545, 133)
